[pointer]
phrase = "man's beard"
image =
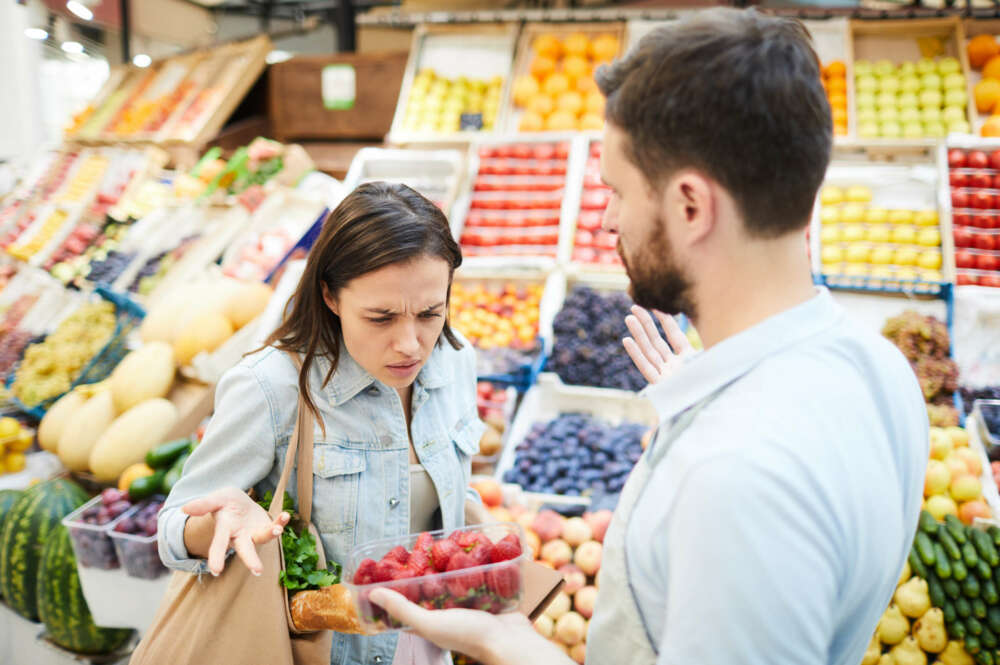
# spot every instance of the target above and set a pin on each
(656, 280)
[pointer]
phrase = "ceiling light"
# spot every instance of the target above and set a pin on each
(72, 47)
(80, 10)
(276, 56)
(142, 60)
(36, 33)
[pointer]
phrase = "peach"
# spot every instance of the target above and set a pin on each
(533, 543)
(970, 510)
(598, 522)
(588, 557)
(571, 628)
(574, 578)
(583, 601)
(971, 459)
(559, 606)
(548, 524)
(545, 625)
(578, 652)
(576, 531)
(558, 553)
(489, 491)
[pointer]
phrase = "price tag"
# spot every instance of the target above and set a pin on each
(470, 122)
(339, 87)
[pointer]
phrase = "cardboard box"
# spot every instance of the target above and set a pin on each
(541, 585)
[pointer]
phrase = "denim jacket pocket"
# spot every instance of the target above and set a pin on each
(466, 436)
(336, 487)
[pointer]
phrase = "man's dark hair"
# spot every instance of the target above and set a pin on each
(737, 95)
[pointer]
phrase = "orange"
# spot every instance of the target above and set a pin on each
(604, 48)
(991, 70)
(594, 102)
(548, 45)
(834, 85)
(840, 130)
(991, 127)
(575, 67)
(542, 66)
(570, 101)
(541, 104)
(556, 84)
(591, 121)
(560, 121)
(835, 69)
(839, 116)
(838, 101)
(576, 44)
(525, 87)
(981, 48)
(586, 85)
(986, 94)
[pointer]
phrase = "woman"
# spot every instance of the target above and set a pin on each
(392, 386)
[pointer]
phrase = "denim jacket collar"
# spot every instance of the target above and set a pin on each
(351, 378)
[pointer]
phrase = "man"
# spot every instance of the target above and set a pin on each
(770, 518)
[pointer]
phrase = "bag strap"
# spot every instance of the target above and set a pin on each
(300, 451)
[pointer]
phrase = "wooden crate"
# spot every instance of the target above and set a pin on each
(907, 40)
(295, 98)
(479, 51)
(523, 57)
(973, 28)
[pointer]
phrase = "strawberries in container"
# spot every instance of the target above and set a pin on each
(476, 567)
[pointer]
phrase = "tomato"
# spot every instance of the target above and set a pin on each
(583, 239)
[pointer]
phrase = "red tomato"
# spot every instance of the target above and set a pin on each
(977, 159)
(584, 239)
(966, 279)
(958, 179)
(965, 259)
(963, 237)
(956, 158)
(983, 241)
(987, 262)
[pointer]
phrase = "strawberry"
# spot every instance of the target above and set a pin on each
(449, 604)
(455, 535)
(432, 588)
(459, 586)
(504, 581)
(427, 604)
(401, 584)
(486, 603)
(385, 570)
(481, 553)
(365, 573)
(399, 554)
(420, 562)
(423, 544)
(506, 549)
(441, 553)
(467, 540)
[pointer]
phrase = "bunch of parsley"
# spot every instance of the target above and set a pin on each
(302, 569)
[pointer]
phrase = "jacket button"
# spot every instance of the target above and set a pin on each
(393, 502)
(373, 390)
(378, 659)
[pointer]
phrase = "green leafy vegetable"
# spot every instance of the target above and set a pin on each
(302, 569)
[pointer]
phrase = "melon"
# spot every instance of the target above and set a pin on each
(249, 301)
(54, 422)
(142, 375)
(84, 428)
(133, 434)
(204, 333)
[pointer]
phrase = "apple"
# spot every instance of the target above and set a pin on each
(962, 236)
(926, 66)
(959, 198)
(588, 557)
(868, 130)
(557, 552)
(940, 505)
(983, 241)
(890, 130)
(862, 68)
(907, 69)
(908, 100)
(984, 200)
(941, 445)
(949, 65)
(990, 280)
(576, 531)
(956, 158)
(865, 99)
(965, 487)
(956, 97)
(971, 459)
(959, 436)
(981, 179)
(977, 159)
(584, 255)
(958, 179)
(966, 279)
(561, 603)
(954, 81)
(926, 218)
(571, 628)
(584, 239)
(573, 577)
(888, 114)
(548, 524)
(867, 115)
(931, 81)
(913, 130)
(909, 84)
(982, 220)
(965, 259)
(584, 601)
(937, 479)
(970, 510)
(890, 84)
(531, 540)
(883, 67)
(961, 218)
(987, 262)
(885, 100)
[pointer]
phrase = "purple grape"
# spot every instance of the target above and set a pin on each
(118, 507)
(112, 495)
(104, 515)
(149, 529)
(127, 525)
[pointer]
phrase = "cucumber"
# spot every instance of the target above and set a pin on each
(956, 630)
(949, 612)
(927, 523)
(936, 590)
(973, 626)
(979, 608)
(955, 528)
(993, 618)
(994, 533)
(983, 571)
(925, 548)
(958, 570)
(969, 555)
(970, 587)
(950, 546)
(942, 566)
(147, 486)
(916, 565)
(990, 594)
(952, 589)
(988, 638)
(165, 454)
(972, 644)
(174, 474)
(984, 657)
(963, 608)
(985, 547)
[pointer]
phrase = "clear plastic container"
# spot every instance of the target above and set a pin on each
(492, 587)
(138, 553)
(92, 542)
(982, 408)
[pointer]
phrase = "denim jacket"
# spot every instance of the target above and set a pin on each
(361, 462)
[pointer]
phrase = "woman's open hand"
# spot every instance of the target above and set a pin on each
(652, 355)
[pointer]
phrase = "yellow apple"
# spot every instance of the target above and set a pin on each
(929, 259)
(959, 436)
(832, 254)
(940, 444)
(899, 216)
(829, 215)
(926, 218)
(929, 237)
(940, 505)
(881, 255)
(852, 213)
(971, 459)
(965, 487)
(858, 194)
(853, 232)
(829, 234)
(938, 478)
(904, 235)
(876, 216)
(857, 253)
(878, 233)
(831, 195)
(856, 270)
(905, 256)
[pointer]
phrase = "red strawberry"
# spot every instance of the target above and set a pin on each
(486, 603)
(432, 588)
(460, 585)
(467, 539)
(420, 562)
(399, 554)
(504, 581)
(508, 548)
(441, 553)
(424, 543)
(449, 604)
(366, 572)
(428, 604)
(455, 535)
(401, 584)
(386, 569)
(481, 553)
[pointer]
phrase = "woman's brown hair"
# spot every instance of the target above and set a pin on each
(377, 225)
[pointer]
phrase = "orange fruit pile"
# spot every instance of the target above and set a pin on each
(496, 317)
(835, 84)
(984, 54)
(559, 93)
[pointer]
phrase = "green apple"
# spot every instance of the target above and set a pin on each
(956, 97)
(954, 81)
(952, 114)
(907, 69)
(908, 115)
(885, 100)
(862, 68)
(930, 82)
(890, 130)
(930, 98)
(959, 127)
(930, 114)
(865, 100)
(866, 84)
(913, 130)
(889, 84)
(868, 130)
(934, 130)
(926, 66)
(884, 68)
(949, 65)
(910, 84)
(867, 115)
(908, 100)
(888, 114)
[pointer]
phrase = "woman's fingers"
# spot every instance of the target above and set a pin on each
(649, 326)
(675, 336)
(217, 550)
(271, 531)
(245, 549)
(650, 373)
(642, 340)
(203, 506)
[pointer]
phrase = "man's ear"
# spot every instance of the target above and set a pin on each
(690, 197)
(330, 301)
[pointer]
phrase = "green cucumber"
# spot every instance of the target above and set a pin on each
(952, 589)
(970, 587)
(147, 486)
(974, 627)
(990, 594)
(917, 566)
(165, 454)
(985, 547)
(984, 657)
(955, 528)
(174, 474)
(925, 548)
(993, 618)
(983, 571)
(950, 546)
(942, 566)
(994, 532)
(959, 571)
(949, 612)
(979, 608)
(969, 555)
(963, 608)
(927, 523)
(936, 591)
(972, 644)
(989, 638)
(956, 630)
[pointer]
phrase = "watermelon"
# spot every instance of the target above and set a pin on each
(30, 522)
(7, 499)
(61, 604)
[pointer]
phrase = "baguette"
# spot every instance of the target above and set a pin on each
(329, 608)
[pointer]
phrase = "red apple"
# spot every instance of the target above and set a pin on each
(489, 491)
(606, 240)
(983, 241)
(995, 160)
(982, 221)
(562, 150)
(966, 279)
(961, 219)
(965, 259)
(962, 236)
(987, 262)
(486, 152)
(544, 151)
(959, 198)
(584, 239)
(981, 179)
(977, 159)
(983, 200)
(574, 578)
(595, 199)
(956, 158)
(996, 181)
(584, 255)
(958, 179)
(990, 280)
(590, 220)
